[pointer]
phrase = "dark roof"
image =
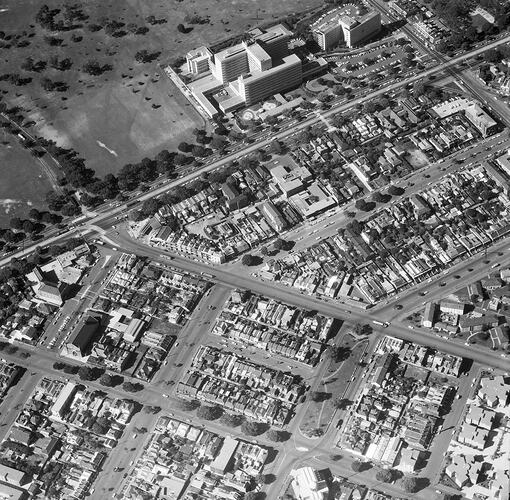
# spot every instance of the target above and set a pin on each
(84, 336)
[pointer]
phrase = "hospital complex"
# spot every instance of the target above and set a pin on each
(263, 65)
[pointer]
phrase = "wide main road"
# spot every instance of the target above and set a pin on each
(107, 218)
(288, 295)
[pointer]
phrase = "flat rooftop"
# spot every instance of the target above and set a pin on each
(273, 32)
(258, 52)
(288, 60)
(198, 52)
(332, 18)
(230, 52)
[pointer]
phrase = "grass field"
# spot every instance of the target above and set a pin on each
(23, 183)
(110, 119)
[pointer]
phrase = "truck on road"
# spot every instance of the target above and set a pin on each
(380, 323)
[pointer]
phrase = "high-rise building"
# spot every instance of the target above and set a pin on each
(258, 85)
(359, 29)
(230, 63)
(248, 72)
(274, 40)
(258, 58)
(346, 24)
(328, 34)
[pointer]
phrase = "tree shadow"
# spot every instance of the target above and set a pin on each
(117, 380)
(271, 455)
(320, 396)
(270, 478)
(284, 435)
(365, 466)
(422, 483)
(343, 404)
(397, 474)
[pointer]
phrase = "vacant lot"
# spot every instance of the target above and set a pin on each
(130, 111)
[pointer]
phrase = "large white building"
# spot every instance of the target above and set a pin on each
(245, 73)
(308, 484)
(349, 24)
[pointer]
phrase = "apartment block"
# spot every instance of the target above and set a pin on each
(349, 24)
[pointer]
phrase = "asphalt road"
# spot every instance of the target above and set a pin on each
(107, 218)
(291, 452)
(15, 399)
(311, 232)
(199, 322)
(413, 299)
(328, 308)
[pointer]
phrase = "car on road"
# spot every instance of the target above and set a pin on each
(457, 276)
(422, 294)
(397, 307)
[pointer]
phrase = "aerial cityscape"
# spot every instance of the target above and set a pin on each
(255, 250)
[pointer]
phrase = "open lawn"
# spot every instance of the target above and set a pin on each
(23, 183)
(131, 110)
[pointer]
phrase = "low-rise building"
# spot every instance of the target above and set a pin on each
(473, 436)
(309, 484)
(13, 476)
(452, 307)
(480, 417)
(481, 120)
(81, 340)
(494, 391)
(429, 315)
